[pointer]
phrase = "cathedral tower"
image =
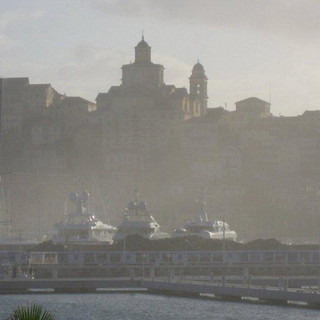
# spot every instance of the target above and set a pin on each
(142, 52)
(142, 72)
(198, 87)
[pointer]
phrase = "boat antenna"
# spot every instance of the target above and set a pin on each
(136, 194)
(203, 211)
(203, 206)
(136, 200)
(103, 204)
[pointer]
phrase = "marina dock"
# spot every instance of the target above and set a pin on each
(272, 295)
(65, 285)
(230, 292)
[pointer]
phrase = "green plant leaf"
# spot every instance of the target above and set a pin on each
(33, 312)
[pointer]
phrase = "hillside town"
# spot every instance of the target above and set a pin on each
(168, 143)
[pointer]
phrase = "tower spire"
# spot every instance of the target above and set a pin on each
(198, 86)
(143, 51)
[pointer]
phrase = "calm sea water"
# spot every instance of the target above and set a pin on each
(139, 306)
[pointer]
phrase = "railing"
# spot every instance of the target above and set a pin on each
(175, 258)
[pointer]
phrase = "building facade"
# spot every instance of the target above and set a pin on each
(166, 141)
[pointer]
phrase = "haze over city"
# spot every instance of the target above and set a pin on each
(164, 146)
(267, 49)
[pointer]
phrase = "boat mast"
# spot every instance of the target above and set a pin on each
(1, 94)
(1, 80)
(103, 205)
(203, 207)
(136, 200)
(3, 204)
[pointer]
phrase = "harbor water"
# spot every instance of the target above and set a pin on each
(142, 306)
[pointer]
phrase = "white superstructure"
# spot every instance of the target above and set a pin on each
(82, 226)
(203, 228)
(137, 220)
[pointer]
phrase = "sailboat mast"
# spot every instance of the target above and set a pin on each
(2, 200)
(3, 205)
(1, 82)
(4, 217)
(1, 94)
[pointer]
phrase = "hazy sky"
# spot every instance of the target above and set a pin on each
(262, 48)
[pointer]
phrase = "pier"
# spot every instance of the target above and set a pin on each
(229, 292)
(270, 276)
(66, 285)
(235, 292)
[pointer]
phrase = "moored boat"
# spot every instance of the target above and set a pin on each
(81, 226)
(137, 220)
(203, 228)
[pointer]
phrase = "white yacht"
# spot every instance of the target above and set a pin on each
(203, 228)
(81, 226)
(137, 219)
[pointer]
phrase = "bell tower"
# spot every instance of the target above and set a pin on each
(198, 86)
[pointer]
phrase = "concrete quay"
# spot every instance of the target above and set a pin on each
(229, 292)
(66, 285)
(272, 295)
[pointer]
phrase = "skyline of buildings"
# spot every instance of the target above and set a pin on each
(165, 141)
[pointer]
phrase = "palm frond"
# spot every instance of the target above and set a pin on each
(34, 312)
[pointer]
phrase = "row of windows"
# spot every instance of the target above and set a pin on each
(158, 258)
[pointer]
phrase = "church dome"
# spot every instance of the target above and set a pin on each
(198, 67)
(198, 71)
(142, 44)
